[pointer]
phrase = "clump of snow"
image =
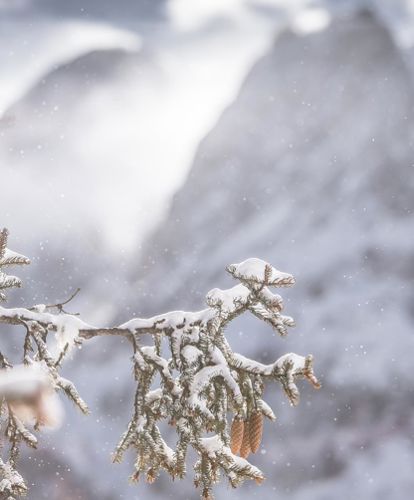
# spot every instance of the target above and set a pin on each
(212, 445)
(40, 308)
(266, 409)
(228, 300)
(272, 300)
(252, 365)
(241, 463)
(151, 356)
(256, 271)
(171, 319)
(153, 395)
(10, 258)
(297, 362)
(67, 331)
(66, 326)
(141, 423)
(202, 379)
(191, 354)
(168, 453)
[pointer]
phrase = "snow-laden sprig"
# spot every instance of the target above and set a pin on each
(211, 395)
(212, 382)
(8, 258)
(258, 273)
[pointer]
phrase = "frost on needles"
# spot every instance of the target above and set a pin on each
(211, 395)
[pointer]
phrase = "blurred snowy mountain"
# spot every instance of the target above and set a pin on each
(99, 113)
(310, 168)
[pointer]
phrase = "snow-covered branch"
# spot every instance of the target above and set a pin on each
(204, 385)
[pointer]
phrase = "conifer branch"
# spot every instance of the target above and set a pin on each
(204, 384)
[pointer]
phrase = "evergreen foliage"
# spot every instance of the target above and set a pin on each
(205, 387)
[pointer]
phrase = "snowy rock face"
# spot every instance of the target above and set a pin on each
(311, 168)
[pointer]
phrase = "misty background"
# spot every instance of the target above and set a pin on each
(145, 145)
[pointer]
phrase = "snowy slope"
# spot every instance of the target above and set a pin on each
(311, 169)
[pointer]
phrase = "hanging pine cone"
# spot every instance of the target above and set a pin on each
(255, 430)
(237, 428)
(245, 446)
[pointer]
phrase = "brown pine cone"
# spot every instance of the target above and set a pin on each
(236, 435)
(256, 430)
(245, 446)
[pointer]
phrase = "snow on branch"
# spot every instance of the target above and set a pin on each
(256, 273)
(204, 386)
(8, 258)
